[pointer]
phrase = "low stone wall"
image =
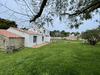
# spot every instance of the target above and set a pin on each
(59, 38)
(6, 41)
(68, 38)
(3, 42)
(16, 42)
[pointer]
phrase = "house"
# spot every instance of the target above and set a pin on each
(10, 39)
(33, 36)
(41, 30)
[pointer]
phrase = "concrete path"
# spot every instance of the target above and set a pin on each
(36, 46)
(39, 45)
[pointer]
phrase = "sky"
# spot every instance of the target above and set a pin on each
(57, 25)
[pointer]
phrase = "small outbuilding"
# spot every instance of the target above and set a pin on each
(10, 39)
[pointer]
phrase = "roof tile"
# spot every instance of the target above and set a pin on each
(9, 34)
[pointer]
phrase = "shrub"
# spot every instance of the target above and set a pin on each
(92, 36)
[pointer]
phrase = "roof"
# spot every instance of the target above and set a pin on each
(72, 36)
(26, 31)
(9, 34)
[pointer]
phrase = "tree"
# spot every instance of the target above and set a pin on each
(92, 36)
(55, 33)
(51, 33)
(81, 8)
(5, 24)
(63, 33)
(73, 33)
(45, 11)
(77, 33)
(67, 33)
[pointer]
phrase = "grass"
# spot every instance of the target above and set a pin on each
(63, 57)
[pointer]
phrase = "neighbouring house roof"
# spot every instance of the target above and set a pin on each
(9, 34)
(72, 36)
(26, 31)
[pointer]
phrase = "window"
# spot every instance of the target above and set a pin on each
(42, 38)
(34, 39)
(44, 31)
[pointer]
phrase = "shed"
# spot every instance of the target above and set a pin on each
(10, 39)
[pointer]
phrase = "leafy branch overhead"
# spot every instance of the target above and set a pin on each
(71, 12)
(86, 9)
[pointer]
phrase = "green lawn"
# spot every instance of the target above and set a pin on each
(62, 57)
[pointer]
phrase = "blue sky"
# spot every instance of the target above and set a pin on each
(89, 24)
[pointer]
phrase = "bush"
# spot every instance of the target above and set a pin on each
(92, 36)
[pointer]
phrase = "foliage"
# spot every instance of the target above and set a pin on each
(77, 33)
(64, 57)
(57, 33)
(75, 10)
(24, 28)
(72, 33)
(92, 36)
(5, 24)
(71, 12)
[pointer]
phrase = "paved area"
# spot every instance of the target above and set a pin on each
(36, 46)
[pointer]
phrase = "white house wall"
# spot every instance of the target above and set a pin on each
(46, 35)
(38, 41)
(47, 39)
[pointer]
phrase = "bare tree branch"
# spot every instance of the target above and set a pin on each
(11, 15)
(14, 10)
(28, 7)
(20, 6)
(40, 12)
(86, 9)
(25, 10)
(4, 11)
